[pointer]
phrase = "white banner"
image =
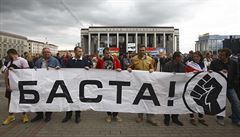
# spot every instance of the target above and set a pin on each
(107, 90)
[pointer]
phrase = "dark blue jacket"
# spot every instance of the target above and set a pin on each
(77, 63)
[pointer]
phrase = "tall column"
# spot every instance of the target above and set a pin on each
(89, 43)
(108, 39)
(206, 44)
(164, 40)
(136, 41)
(173, 39)
(155, 40)
(98, 45)
(212, 49)
(178, 43)
(145, 39)
(210, 45)
(126, 41)
(216, 45)
(117, 40)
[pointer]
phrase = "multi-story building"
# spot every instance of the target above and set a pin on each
(9, 40)
(53, 48)
(128, 38)
(36, 46)
(233, 44)
(211, 43)
(22, 44)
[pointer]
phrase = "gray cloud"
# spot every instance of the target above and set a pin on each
(50, 18)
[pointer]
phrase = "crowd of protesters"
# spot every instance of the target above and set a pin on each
(177, 62)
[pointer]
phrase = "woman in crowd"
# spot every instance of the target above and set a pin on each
(196, 65)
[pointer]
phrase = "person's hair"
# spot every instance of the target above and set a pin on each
(12, 51)
(77, 47)
(208, 54)
(45, 48)
(25, 53)
(191, 52)
(141, 46)
(199, 54)
(227, 51)
(105, 49)
(29, 57)
(176, 54)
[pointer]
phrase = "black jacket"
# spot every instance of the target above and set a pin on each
(230, 66)
(172, 67)
(77, 63)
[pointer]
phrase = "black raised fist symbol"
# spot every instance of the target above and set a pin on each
(205, 94)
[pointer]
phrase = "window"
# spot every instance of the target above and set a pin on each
(5, 40)
(159, 40)
(112, 40)
(141, 39)
(131, 38)
(150, 38)
(103, 40)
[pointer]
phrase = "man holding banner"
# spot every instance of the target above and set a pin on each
(143, 62)
(45, 62)
(76, 62)
(15, 62)
(228, 66)
(111, 63)
(174, 66)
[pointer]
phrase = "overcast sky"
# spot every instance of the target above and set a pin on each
(60, 20)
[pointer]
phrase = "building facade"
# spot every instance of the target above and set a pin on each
(22, 44)
(53, 48)
(9, 40)
(128, 38)
(233, 44)
(211, 43)
(37, 46)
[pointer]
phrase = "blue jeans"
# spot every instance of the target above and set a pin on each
(235, 105)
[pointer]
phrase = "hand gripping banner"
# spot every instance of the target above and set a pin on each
(106, 90)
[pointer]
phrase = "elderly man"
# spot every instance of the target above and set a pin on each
(46, 61)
